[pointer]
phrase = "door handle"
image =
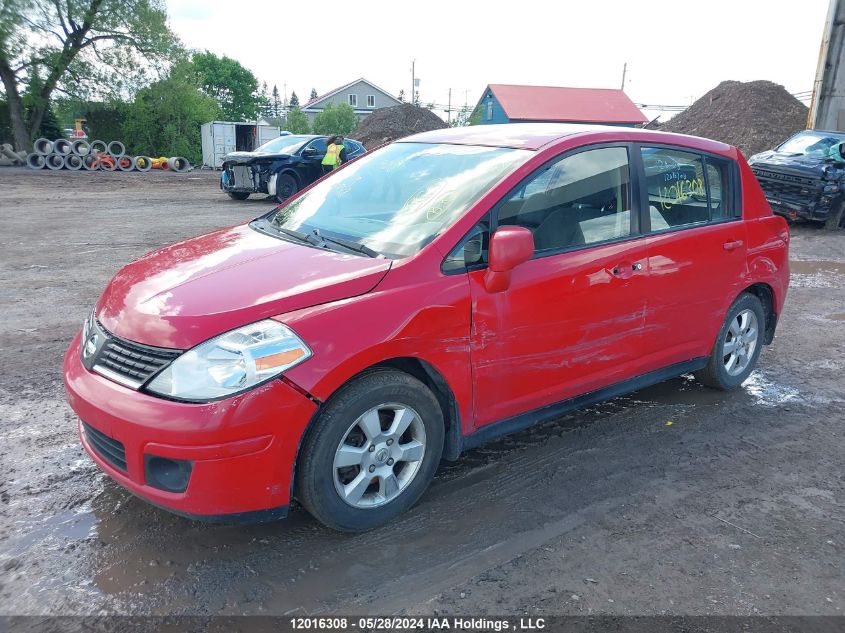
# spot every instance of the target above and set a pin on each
(732, 245)
(625, 269)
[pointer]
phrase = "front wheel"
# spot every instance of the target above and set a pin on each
(372, 451)
(285, 187)
(238, 195)
(738, 345)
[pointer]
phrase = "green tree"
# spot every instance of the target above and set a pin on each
(234, 87)
(165, 118)
(78, 47)
(276, 102)
(294, 100)
(336, 119)
(475, 117)
(313, 93)
(297, 122)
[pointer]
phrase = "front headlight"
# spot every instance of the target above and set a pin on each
(231, 363)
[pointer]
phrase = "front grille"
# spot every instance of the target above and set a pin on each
(109, 449)
(128, 362)
(787, 187)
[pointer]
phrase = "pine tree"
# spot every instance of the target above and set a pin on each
(294, 100)
(276, 102)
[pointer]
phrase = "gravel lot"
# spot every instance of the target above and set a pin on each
(737, 507)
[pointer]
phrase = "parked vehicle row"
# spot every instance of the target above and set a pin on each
(437, 293)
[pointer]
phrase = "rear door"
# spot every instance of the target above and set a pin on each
(696, 251)
(572, 317)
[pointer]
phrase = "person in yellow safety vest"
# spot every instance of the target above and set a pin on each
(335, 154)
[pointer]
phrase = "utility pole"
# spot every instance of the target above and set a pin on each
(624, 71)
(449, 109)
(413, 81)
(827, 109)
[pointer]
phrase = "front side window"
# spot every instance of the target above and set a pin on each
(399, 198)
(679, 192)
(319, 145)
(584, 198)
(353, 100)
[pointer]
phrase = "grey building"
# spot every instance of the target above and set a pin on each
(362, 95)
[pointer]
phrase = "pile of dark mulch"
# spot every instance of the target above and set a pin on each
(753, 116)
(388, 124)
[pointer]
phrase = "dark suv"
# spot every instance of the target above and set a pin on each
(804, 177)
(280, 167)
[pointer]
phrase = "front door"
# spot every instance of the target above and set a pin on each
(572, 318)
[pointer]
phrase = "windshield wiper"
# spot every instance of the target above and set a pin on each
(305, 238)
(352, 246)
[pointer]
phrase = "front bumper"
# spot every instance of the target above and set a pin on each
(241, 450)
(794, 210)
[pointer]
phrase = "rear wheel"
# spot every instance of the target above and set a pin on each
(238, 195)
(372, 452)
(285, 187)
(738, 345)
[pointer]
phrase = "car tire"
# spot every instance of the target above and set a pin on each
(737, 346)
(285, 187)
(836, 219)
(238, 195)
(351, 475)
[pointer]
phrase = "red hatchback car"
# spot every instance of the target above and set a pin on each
(437, 293)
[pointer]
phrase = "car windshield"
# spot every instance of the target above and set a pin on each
(283, 145)
(819, 144)
(397, 199)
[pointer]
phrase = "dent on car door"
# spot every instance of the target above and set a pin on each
(696, 252)
(572, 318)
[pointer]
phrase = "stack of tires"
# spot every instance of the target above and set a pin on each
(79, 154)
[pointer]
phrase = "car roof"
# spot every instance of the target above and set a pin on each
(534, 136)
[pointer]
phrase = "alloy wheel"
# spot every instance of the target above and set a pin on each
(740, 342)
(379, 455)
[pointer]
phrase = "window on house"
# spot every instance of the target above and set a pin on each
(371, 101)
(489, 110)
(580, 199)
(353, 101)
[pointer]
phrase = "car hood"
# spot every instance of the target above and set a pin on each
(186, 293)
(788, 162)
(248, 157)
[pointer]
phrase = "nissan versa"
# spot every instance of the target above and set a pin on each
(434, 294)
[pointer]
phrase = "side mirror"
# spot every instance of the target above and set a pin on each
(510, 246)
(309, 151)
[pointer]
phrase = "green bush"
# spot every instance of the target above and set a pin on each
(336, 119)
(165, 118)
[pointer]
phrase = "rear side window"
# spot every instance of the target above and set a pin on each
(581, 199)
(684, 188)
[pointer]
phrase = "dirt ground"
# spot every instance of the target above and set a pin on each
(737, 507)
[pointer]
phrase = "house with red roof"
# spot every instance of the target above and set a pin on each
(507, 103)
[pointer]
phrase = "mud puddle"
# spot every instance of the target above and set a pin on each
(816, 273)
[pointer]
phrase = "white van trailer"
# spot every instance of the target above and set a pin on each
(222, 137)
